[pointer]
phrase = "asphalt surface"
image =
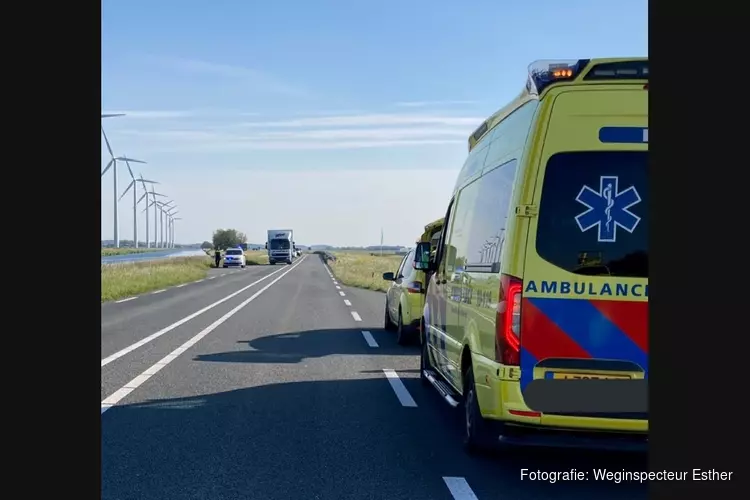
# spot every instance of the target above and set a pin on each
(275, 393)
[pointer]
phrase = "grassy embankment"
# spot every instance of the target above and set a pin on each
(364, 270)
(133, 278)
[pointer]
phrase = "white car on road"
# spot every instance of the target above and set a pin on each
(234, 257)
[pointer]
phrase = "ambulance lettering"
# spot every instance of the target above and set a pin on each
(557, 288)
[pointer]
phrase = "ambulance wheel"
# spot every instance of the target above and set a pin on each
(424, 358)
(476, 436)
(387, 323)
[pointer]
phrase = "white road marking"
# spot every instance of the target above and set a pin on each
(159, 291)
(356, 316)
(180, 286)
(342, 294)
(212, 278)
(459, 488)
(184, 320)
(338, 287)
(369, 338)
(198, 281)
(347, 302)
(334, 282)
(223, 274)
(400, 389)
(125, 300)
(119, 394)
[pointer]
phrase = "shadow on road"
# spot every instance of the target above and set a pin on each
(343, 439)
(297, 346)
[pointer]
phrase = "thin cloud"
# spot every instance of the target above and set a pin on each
(258, 79)
(422, 104)
(151, 115)
(237, 145)
(371, 120)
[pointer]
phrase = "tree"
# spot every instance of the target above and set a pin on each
(228, 238)
(206, 245)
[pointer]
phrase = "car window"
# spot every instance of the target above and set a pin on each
(593, 216)
(400, 267)
(480, 249)
(447, 254)
(407, 268)
(234, 252)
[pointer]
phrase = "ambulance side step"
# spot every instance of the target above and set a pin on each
(444, 389)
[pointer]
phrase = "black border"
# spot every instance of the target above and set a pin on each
(697, 114)
(52, 115)
(698, 321)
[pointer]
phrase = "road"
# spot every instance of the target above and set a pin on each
(260, 384)
(154, 255)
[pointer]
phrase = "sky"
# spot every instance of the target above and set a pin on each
(335, 118)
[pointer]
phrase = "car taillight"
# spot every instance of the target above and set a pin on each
(508, 324)
(414, 287)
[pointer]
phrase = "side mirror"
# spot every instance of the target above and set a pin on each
(422, 256)
(266, 245)
(389, 276)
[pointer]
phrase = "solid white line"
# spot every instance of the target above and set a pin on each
(180, 286)
(459, 488)
(347, 302)
(400, 389)
(158, 291)
(342, 294)
(369, 338)
(356, 316)
(125, 300)
(119, 394)
(184, 320)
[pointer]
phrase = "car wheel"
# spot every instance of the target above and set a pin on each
(476, 438)
(402, 336)
(387, 323)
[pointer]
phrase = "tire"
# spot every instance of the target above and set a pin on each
(402, 333)
(243, 266)
(476, 433)
(424, 358)
(224, 267)
(387, 323)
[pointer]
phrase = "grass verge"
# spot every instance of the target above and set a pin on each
(126, 280)
(364, 270)
(109, 252)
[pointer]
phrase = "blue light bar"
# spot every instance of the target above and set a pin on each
(542, 74)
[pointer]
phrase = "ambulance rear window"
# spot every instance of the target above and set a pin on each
(593, 216)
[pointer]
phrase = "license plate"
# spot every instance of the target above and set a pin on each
(588, 376)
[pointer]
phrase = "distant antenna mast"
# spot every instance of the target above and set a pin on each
(381, 241)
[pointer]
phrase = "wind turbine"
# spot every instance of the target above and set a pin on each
(113, 163)
(170, 214)
(173, 221)
(135, 199)
(154, 194)
(161, 206)
(144, 195)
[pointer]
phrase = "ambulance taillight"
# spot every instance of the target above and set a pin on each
(508, 323)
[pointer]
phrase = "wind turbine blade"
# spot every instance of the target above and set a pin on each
(157, 194)
(130, 170)
(148, 181)
(126, 158)
(126, 190)
(141, 198)
(107, 167)
(112, 115)
(109, 148)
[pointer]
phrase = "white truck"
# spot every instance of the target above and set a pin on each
(280, 246)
